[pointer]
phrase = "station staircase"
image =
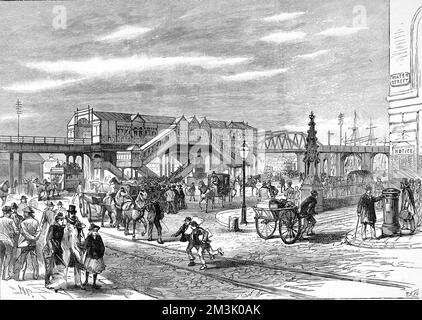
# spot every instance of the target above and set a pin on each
(182, 171)
(107, 165)
(167, 139)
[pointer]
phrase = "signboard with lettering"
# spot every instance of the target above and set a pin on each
(403, 150)
(400, 79)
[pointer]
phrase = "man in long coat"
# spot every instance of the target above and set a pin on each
(30, 232)
(366, 211)
(8, 233)
(307, 211)
(53, 252)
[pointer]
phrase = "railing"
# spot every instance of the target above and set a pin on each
(45, 140)
(341, 190)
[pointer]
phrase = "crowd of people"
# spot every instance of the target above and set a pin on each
(23, 238)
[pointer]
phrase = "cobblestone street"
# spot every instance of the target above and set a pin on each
(322, 266)
(318, 267)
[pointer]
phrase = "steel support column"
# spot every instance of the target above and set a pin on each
(11, 169)
(20, 172)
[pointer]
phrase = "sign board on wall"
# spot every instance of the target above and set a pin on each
(400, 79)
(404, 150)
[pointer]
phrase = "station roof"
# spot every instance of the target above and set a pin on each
(127, 117)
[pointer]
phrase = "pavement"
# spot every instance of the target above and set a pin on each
(35, 289)
(322, 266)
(404, 240)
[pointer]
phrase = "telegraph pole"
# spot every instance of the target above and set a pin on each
(18, 112)
(340, 122)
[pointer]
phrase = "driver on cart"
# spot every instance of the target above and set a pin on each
(264, 193)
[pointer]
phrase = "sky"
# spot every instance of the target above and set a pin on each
(268, 63)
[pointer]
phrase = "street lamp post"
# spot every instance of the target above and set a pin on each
(244, 150)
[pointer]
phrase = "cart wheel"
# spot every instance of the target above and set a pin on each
(265, 224)
(290, 225)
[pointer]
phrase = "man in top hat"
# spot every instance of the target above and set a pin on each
(71, 214)
(76, 248)
(30, 233)
(8, 233)
(23, 204)
(366, 211)
(307, 211)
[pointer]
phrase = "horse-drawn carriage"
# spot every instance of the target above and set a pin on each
(278, 212)
(218, 186)
(67, 176)
(95, 205)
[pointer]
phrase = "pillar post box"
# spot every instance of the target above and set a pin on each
(391, 225)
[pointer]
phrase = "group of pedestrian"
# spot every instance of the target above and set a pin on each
(23, 237)
(19, 232)
(175, 198)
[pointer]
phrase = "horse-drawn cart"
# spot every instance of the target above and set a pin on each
(92, 205)
(281, 213)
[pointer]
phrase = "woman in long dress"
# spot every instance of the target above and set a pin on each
(408, 208)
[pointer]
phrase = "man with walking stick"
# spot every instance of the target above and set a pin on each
(366, 212)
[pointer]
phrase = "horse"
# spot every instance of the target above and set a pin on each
(4, 192)
(207, 194)
(51, 188)
(131, 212)
(70, 246)
(41, 189)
